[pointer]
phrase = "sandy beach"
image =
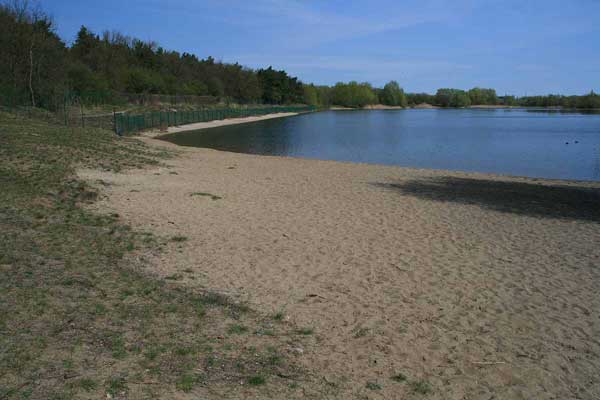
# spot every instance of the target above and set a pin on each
(471, 286)
(215, 123)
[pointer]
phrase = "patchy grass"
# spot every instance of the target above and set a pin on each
(256, 380)
(87, 384)
(373, 386)
(79, 317)
(421, 386)
(237, 329)
(279, 316)
(212, 196)
(179, 238)
(305, 331)
(399, 378)
(361, 332)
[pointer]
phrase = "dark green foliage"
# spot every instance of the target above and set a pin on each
(279, 88)
(256, 380)
(32, 65)
(37, 68)
(479, 96)
(420, 98)
(452, 98)
(393, 95)
(588, 101)
(353, 94)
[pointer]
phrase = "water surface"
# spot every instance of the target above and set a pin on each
(544, 144)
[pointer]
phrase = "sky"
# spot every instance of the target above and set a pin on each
(520, 47)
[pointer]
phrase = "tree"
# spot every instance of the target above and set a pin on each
(481, 96)
(452, 98)
(393, 95)
(353, 94)
(311, 96)
(32, 70)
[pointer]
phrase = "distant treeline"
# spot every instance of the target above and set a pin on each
(355, 94)
(479, 96)
(37, 68)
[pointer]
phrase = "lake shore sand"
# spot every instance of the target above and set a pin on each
(215, 124)
(458, 285)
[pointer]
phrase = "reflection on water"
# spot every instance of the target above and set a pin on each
(563, 144)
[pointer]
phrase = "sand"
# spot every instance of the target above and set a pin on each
(485, 287)
(214, 124)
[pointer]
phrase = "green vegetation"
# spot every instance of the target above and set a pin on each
(305, 331)
(38, 69)
(393, 95)
(421, 387)
(452, 98)
(179, 238)
(72, 300)
(373, 386)
(399, 378)
(279, 316)
(353, 94)
(237, 329)
(256, 380)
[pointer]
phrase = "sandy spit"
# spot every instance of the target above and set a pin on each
(216, 123)
(477, 286)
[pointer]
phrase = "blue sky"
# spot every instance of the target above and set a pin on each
(515, 46)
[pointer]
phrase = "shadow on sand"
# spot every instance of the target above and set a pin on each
(531, 199)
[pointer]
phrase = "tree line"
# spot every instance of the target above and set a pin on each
(37, 68)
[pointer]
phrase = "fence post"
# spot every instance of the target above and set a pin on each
(115, 121)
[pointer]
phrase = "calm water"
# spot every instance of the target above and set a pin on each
(513, 142)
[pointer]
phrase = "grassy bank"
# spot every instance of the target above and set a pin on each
(79, 315)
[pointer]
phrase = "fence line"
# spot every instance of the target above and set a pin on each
(129, 123)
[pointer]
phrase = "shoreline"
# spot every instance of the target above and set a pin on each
(378, 260)
(376, 107)
(214, 124)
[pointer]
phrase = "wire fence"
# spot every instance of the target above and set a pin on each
(125, 123)
(130, 122)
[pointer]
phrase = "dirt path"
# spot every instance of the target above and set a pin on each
(469, 285)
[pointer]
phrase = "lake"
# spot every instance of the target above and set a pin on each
(534, 143)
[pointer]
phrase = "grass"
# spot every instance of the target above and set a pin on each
(87, 384)
(237, 329)
(256, 380)
(74, 299)
(179, 238)
(421, 386)
(279, 316)
(212, 196)
(305, 331)
(399, 378)
(373, 386)
(361, 332)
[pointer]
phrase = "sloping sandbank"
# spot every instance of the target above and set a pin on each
(469, 285)
(216, 123)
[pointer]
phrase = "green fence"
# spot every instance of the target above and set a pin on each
(128, 123)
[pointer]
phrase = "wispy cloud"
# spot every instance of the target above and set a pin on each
(305, 24)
